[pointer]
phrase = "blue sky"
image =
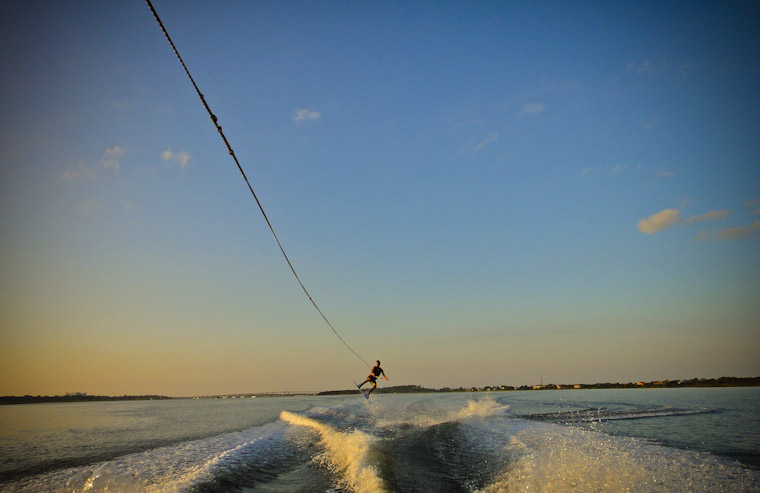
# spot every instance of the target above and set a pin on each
(475, 194)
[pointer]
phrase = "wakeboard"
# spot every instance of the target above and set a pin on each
(362, 392)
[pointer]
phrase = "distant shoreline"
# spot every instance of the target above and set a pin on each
(39, 399)
(658, 384)
(400, 389)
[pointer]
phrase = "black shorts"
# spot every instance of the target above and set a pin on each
(372, 378)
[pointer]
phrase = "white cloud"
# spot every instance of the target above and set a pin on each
(532, 109)
(660, 221)
(756, 212)
(307, 115)
(710, 216)
(111, 158)
(740, 232)
(181, 158)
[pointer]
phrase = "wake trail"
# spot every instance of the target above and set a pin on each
(346, 453)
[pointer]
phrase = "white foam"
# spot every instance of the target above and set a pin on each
(174, 468)
(346, 453)
(550, 457)
(426, 414)
(480, 408)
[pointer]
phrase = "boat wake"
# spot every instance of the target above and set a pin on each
(451, 443)
(346, 453)
(590, 415)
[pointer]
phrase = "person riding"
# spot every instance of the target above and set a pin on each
(372, 378)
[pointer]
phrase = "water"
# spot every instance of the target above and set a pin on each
(569, 440)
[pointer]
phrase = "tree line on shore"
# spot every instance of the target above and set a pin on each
(694, 382)
(38, 399)
(415, 389)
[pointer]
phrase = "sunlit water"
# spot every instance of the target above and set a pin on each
(569, 440)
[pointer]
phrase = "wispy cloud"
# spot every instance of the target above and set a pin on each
(88, 206)
(672, 217)
(307, 115)
(532, 109)
(753, 203)
(613, 170)
(710, 216)
(181, 158)
(79, 172)
(685, 68)
(660, 221)
(588, 170)
(618, 168)
(739, 232)
(111, 158)
(664, 173)
(473, 146)
(489, 139)
(626, 169)
(641, 67)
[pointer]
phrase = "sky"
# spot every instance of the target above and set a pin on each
(475, 193)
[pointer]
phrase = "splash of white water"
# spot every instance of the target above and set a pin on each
(346, 453)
